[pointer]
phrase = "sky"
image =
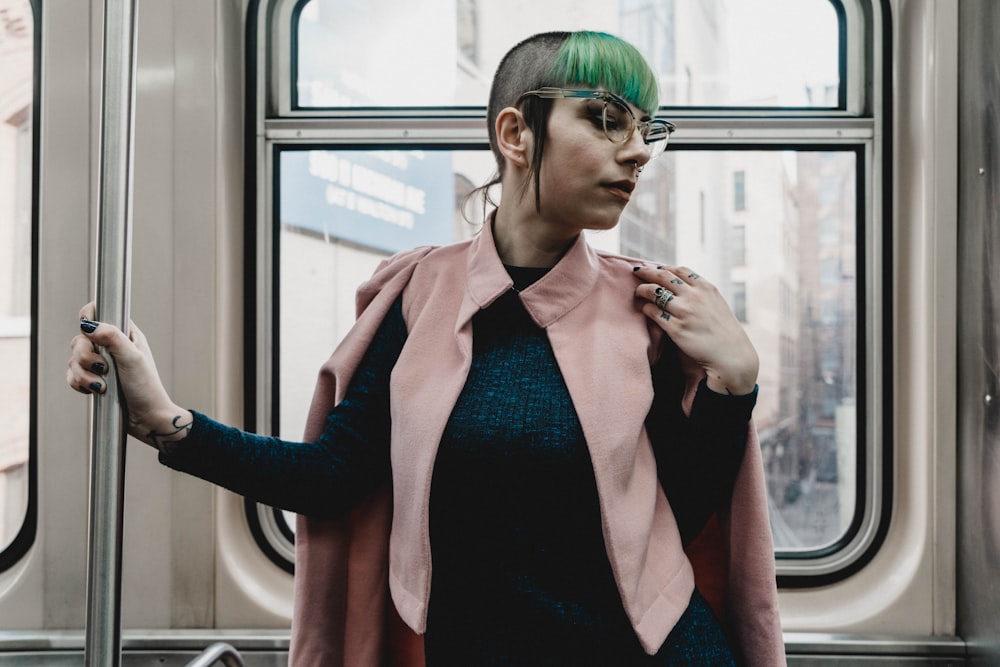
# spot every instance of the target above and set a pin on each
(774, 53)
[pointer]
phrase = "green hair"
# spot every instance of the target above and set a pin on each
(600, 60)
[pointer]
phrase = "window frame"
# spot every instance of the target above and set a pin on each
(861, 123)
(25, 537)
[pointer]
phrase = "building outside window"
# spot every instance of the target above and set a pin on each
(739, 191)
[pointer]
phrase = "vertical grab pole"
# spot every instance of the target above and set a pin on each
(107, 462)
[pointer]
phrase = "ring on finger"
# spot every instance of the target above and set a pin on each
(663, 297)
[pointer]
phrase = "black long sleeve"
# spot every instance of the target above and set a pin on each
(325, 478)
(697, 456)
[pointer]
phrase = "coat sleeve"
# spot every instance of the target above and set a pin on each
(753, 593)
(334, 624)
(733, 561)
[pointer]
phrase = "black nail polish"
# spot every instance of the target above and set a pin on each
(98, 368)
(95, 386)
(83, 390)
(88, 327)
(636, 268)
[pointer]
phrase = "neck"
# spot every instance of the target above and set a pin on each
(527, 240)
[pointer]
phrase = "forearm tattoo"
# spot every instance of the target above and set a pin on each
(163, 441)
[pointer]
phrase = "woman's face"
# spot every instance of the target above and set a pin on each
(586, 180)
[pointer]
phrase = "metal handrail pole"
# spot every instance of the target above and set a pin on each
(107, 462)
(229, 656)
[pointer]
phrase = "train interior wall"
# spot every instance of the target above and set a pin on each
(979, 332)
(183, 589)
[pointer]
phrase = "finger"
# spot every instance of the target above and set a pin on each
(75, 383)
(668, 276)
(662, 317)
(657, 294)
(84, 381)
(89, 311)
(672, 277)
(688, 274)
(86, 356)
(107, 336)
(136, 336)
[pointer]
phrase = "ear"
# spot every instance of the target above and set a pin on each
(514, 139)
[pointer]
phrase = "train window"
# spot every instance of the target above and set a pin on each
(17, 76)
(341, 213)
(706, 65)
(768, 188)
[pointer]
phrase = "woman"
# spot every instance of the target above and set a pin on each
(549, 426)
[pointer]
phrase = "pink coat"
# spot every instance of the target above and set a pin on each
(362, 583)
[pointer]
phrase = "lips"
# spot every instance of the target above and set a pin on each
(621, 188)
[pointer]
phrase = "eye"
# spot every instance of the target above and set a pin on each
(617, 116)
(595, 112)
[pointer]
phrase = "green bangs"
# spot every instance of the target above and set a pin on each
(600, 60)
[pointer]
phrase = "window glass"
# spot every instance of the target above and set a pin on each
(706, 52)
(16, 95)
(335, 227)
(341, 213)
(738, 247)
(739, 190)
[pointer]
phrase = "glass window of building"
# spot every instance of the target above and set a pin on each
(739, 190)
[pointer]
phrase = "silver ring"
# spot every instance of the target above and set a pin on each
(663, 297)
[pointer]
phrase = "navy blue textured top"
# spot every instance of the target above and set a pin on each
(520, 569)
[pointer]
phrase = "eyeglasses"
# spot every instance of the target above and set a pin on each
(617, 118)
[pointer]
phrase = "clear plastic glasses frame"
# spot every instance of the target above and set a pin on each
(617, 118)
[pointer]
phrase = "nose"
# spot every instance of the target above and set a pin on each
(635, 150)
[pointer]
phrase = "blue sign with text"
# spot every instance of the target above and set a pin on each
(386, 199)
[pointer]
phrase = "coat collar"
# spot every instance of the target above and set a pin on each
(555, 294)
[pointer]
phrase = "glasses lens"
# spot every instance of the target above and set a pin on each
(617, 121)
(656, 131)
(657, 135)
(656, 148)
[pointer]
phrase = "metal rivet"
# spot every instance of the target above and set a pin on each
(988, 399)
(981, 171)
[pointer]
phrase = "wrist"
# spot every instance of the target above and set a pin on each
(721, 386)
(736, 377)
(170, 426)
(733, 384)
